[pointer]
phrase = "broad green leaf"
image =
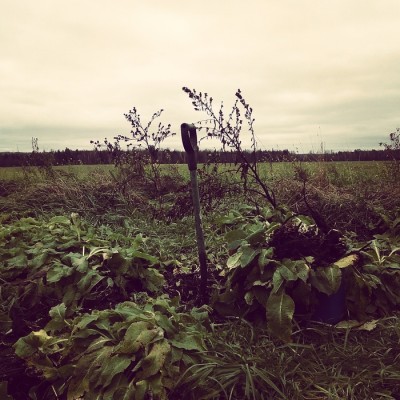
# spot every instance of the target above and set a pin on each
(85, 320)
(88, 281)
(229, 219)
(280, 310)
(265, 256)
(261, 294)
(302, 270)
(57, 272)
(287, 271)
(235, 235)
(57, 314)
(157, 385)
(70, 244)
(118, 383)
(256, 238)
(277, 281)
(201, 314)
(144, 256)
(188, 342)
(141, 391)
(154, 280)
(154, 361)
(39, 260)
(232, 246)
(326, 279)
(79, 262)
(165, 323)
(59, 219)
(26, 346)
(138, 335)
(88, 369)
(114, 366)
(248, 255)
(18, 261)
(71, 295)
(128, 310)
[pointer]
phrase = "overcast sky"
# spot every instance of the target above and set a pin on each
(314, 71)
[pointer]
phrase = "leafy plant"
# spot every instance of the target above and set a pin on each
(123, 353)
(65, 260)
(373, 287)
(281, 266)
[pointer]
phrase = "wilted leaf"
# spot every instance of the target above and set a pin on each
(357, 325)
(368, 326)
(26, 346)
(234, 260)
(348, 261)
(348, 324)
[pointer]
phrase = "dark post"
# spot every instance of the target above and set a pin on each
(189, 140)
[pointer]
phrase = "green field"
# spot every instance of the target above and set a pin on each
(100, 283)
(345, 171)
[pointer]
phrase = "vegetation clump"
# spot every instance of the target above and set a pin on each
(99, 276)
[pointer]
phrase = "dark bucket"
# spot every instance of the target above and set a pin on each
(331, 309)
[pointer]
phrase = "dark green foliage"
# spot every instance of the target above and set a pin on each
(281, 265)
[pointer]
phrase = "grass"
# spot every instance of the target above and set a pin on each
(343, 173)
(324, 362)
(79, 171)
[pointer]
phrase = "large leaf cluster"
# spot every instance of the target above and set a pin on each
(43, 263)
(123, 353)
(373, 289)
(264, 285)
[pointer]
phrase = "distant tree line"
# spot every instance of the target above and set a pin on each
(166, 156)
